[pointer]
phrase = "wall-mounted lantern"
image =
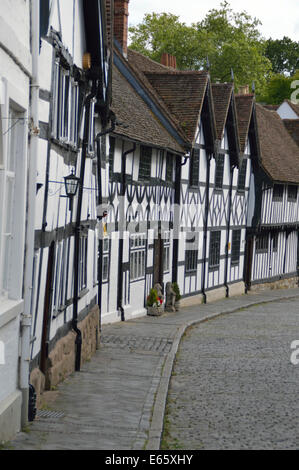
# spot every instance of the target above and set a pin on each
(71, 186)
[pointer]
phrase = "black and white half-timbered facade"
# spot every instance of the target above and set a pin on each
(272, 255)
(137, 244)
(73, 104)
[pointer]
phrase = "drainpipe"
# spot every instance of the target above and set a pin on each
(121, 230)
(78, 340)
(100, 201)
(205, 230)
(31, 195)
(228, 230)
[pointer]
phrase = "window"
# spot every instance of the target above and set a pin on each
(191, 261)
(214, 254)
(137, 256)
(83, 262)
(65, 106)
(242, 176)
(145, 163)
(13, 133)
(194, 167)
(191, 252)
(275, 241)
(169, 167)
(277, 192)
(91, 136)
(292, 193)
(236, 243)
(166, 249)
(262, 243)
(219, 171)
(111, 155)
(105, 259)
(59, 284)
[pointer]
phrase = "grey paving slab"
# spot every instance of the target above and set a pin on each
(117, 401)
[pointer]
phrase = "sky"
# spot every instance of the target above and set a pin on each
(279, 17)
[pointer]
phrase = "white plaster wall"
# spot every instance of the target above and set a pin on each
(15, 70)
(9, 336)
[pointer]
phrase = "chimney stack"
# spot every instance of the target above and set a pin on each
(121, 13)
(243, 90)
(168, 60)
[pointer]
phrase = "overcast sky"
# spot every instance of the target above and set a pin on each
(279, 17)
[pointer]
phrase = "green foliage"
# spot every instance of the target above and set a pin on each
(230, 41)
(177, 291)
(283, 54)
(164, 32)
(152, 298)
(279, 88)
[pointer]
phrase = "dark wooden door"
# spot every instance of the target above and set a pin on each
(47, 308)
(158, 260)
(248, 263)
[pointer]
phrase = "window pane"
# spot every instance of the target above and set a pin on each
(194, 167)
(278, 191)
(219, 171)
(214, 255)
(145, 163)
(236, 240)
(169, 167)
(242, 175)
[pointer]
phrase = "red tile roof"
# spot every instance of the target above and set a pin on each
(222, 94)
(139, 122)
(244, 105)
(279, 152)
(292, 126)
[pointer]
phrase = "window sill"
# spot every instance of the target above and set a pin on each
(213, 268)
(83, 292)
(9, 310)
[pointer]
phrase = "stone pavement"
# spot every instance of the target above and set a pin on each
(117, 400)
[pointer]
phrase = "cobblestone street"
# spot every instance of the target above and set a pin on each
(233, 384)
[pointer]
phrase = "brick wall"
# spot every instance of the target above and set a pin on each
(121, 13)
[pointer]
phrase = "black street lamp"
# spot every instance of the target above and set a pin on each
(71, 186)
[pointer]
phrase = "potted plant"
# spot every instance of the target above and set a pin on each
(177, 295)
(154, 303)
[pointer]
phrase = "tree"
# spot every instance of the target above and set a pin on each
(164, 32)
(279, 88)
(283, 54)
(230, 41)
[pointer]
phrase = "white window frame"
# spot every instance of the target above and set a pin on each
(91, 131)
(166, 249)
(83, 255)
(12, 195)
(105, 259)
(65, 127)
(137, 256)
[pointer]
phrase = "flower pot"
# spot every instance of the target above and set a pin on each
(154, 311)
(177, 305)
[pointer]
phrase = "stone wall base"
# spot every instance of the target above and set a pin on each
(61, 360)
(216, 294)
(10, 416)
(192, 300)
(236, 289)
(289, 283)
